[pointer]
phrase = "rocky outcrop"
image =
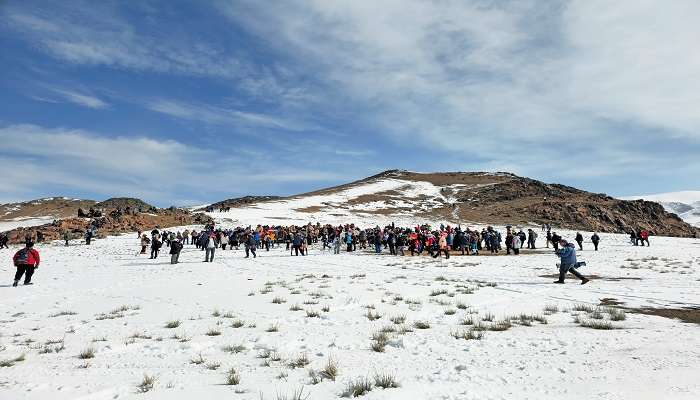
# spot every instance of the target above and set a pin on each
(239, 201)
(524, 200)
(110, 224)
(123, 203)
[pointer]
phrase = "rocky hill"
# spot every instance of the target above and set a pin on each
(462, 197)
(122, 203)
(239, 201)
(56, 207)
(109, 224)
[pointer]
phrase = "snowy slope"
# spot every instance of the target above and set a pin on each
(686, 204)
(381, 200)
(107, 298)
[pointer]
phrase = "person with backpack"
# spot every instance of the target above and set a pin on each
(175, 249)
(568, 263)
(27, 261)
(595, 239)
(531, 237)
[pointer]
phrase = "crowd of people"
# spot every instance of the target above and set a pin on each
(436, 242)
(439, 241)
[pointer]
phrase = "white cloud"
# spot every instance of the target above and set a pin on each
(35, 158)
(82, 99)
(505, 81)
(221, 116)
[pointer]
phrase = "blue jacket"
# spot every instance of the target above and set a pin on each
(567, 254)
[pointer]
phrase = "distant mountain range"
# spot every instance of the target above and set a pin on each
(685, 204)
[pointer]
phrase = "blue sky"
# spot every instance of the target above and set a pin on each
(183, 102)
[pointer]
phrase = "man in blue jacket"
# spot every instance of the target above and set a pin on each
(567, 254)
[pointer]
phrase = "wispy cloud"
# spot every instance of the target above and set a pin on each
(220, 115)
(82, 99)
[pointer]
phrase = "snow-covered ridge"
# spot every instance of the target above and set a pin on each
(686, 204)
(386, 198)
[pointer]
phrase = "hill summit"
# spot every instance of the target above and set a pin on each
(462, 197)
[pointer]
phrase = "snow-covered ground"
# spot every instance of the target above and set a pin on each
(107, 298)
(24, 222)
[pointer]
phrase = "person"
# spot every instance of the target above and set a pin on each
(644, 235)
(523, 237)
(145, 241)
(509, 241)
(595, 239)
(223, 241)
(549, 238)
(336, 244)
(568, 263)
(3, 241)
(579, 240)
(250, 246)
(88, 236)
(27, 261)
(175, 249)
(296, 244)
(66, 237)
(555, 241)
(442, 247)
(517, 244)
(155, 247)
(210, 247)
(531, 238)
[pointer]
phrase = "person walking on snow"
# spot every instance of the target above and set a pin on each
(210, 247)
(579, 240)
(250, 246)
(175, 249)
(26, 261)
(567, 254)
(595, 239)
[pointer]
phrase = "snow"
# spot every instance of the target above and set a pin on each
(334, 208)
(648, 357)
(25, 222)
(687, 197)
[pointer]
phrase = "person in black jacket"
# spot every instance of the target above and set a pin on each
(595, 239)
(155, 247)
(555, 241)
(579, 240)
(175, 249)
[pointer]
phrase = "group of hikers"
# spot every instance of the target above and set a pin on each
(436, 242)
(639, 237)
(399, 241)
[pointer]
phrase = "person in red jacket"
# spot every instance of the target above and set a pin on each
(26, 261)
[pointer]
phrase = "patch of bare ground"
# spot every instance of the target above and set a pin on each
(685, 314)
(310, 209)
